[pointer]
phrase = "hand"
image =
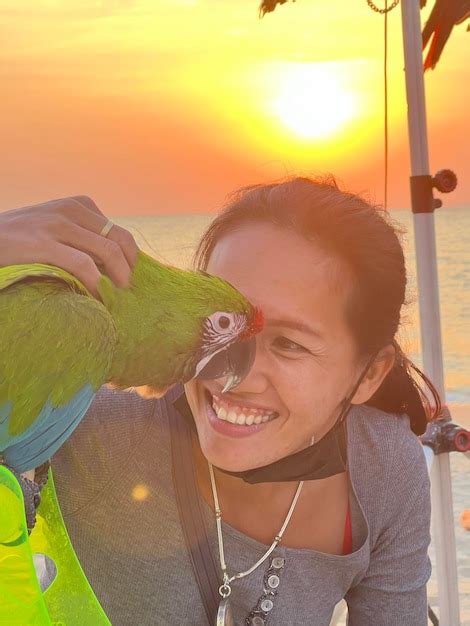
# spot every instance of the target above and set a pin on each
(65, 233)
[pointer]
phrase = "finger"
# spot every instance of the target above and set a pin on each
(73, 207)
(107, 251)
(53, 216)
(88, 203)
(126, 242)
(93, 219)
(74, 261)
(123, 238)
(76, 211)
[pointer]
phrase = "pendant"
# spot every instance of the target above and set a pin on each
(224, 614)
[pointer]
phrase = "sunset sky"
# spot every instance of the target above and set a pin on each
(164, 106)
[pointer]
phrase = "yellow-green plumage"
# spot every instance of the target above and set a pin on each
(158, 321)
(58, 342)
(43, 355)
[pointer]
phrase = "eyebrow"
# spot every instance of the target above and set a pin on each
(294, 325)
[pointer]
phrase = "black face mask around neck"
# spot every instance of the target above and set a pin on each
(327, 457)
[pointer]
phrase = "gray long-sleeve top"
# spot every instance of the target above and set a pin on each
(114, 482)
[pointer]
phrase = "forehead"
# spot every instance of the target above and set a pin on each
(283, 273)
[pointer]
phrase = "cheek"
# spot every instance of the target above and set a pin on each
(308, 395)
(311, 394)
(192, 395)
(196, 400)
(300, 380)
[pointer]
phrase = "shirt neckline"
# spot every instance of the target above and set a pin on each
(181, 405)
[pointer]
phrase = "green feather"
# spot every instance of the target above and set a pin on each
(54, 338)
(16, 273)
(159, 318)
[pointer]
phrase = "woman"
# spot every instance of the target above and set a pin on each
(329, 383)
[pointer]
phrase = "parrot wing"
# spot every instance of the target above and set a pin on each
(27, 272)
(57, 344)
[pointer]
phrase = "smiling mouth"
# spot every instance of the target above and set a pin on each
(237, 413)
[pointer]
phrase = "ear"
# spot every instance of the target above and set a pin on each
(380, 367)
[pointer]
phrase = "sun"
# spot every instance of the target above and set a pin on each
(311, 101)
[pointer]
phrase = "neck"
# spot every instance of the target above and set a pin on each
(259, 510)
(135, 312)
(123, 306)
(234, 492)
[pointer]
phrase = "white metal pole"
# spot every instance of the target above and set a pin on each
(443, 521)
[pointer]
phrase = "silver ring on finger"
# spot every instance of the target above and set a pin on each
(104, 232)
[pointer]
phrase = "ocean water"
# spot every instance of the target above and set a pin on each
(172, 239)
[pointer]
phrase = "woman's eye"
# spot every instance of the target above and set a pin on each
(286, 344)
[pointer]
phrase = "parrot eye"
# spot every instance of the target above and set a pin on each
(221, 323)
(222, 328)
(224, 321)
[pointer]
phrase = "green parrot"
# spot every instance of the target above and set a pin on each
(59, 345)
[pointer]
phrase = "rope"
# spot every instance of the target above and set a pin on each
(385, 11)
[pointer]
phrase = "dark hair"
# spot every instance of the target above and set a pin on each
(363, 236)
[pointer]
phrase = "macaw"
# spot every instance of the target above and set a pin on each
(59, 345)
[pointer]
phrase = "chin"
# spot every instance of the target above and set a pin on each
(229, 465)
(231, 458)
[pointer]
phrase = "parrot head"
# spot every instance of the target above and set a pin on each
(174, 325)
(228, 345)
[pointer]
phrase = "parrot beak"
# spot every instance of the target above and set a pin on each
(234, 362)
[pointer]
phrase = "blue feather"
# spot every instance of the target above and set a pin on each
(48, 432)
(5, 411)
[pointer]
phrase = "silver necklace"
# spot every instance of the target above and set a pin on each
(224, 614)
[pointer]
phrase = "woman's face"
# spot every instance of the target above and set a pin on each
(306, 361)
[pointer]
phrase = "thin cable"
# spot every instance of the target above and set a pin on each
(385, 11)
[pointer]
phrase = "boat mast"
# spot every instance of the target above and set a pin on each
(423, 206)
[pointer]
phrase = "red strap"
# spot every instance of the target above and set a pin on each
(347, 541)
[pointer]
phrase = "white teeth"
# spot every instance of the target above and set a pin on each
(232, 417)
(239, 418)
(222, 413)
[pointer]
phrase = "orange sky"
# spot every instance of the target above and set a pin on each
(164, 106)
